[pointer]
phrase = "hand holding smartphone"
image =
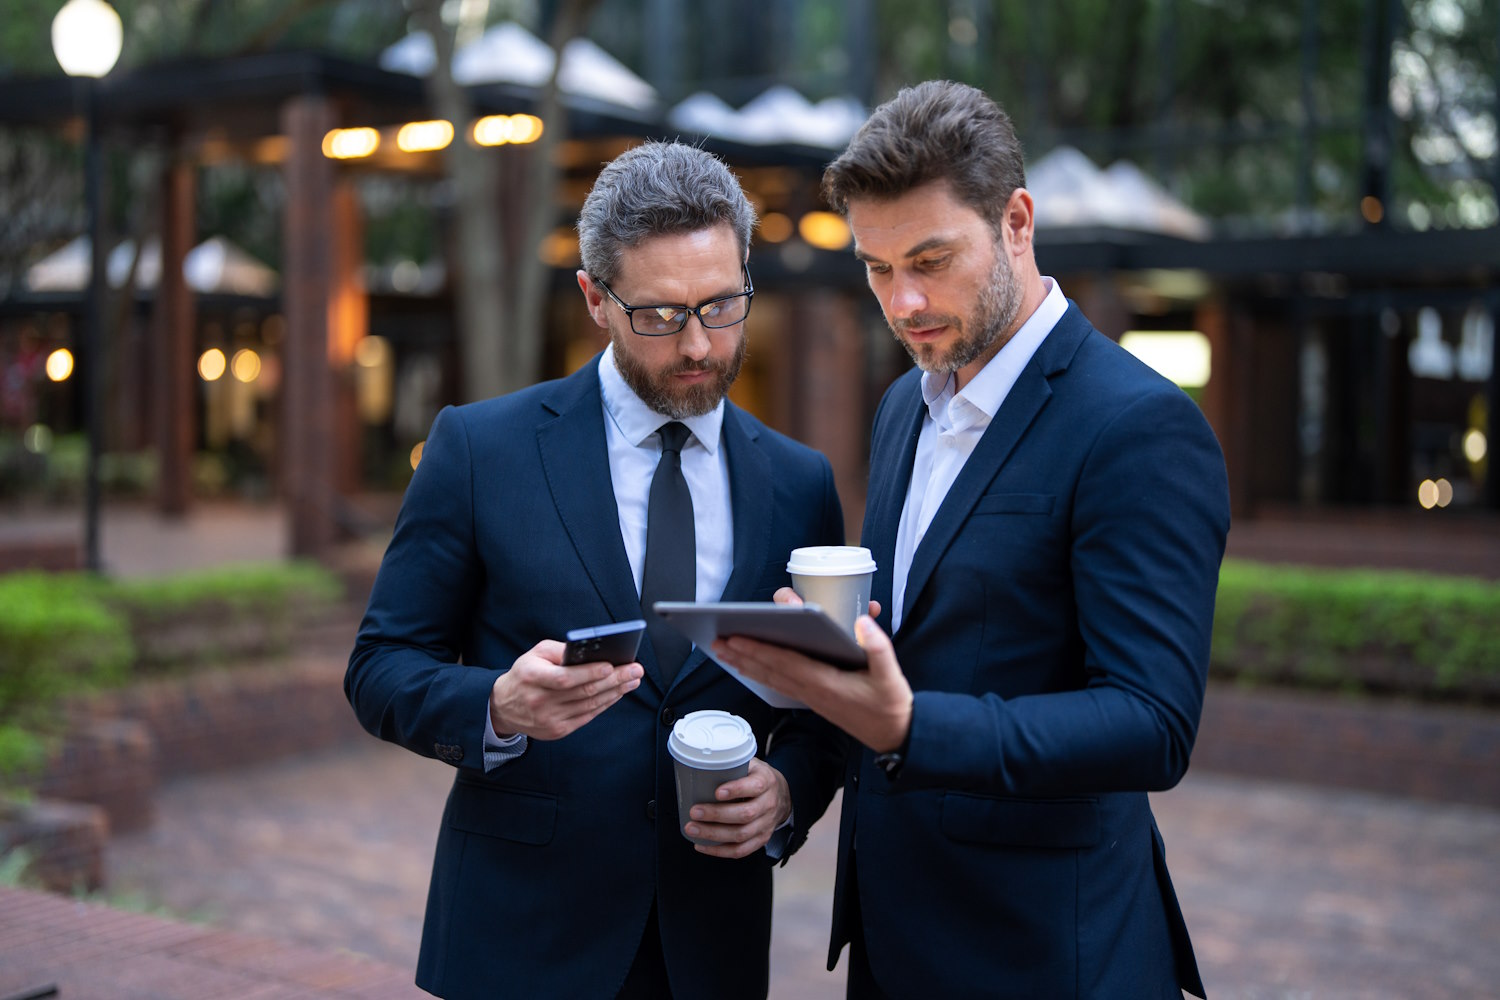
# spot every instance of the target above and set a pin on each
(615, 643)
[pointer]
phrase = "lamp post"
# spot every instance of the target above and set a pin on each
(86, 38)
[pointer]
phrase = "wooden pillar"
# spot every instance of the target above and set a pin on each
(174, 364)
(830, 404)
(1240, 443)
(308, 260)
(1228, 396)
(348, 323)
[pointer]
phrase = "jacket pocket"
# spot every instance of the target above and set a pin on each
(523, 817)
(1056, 823)
(1015, 503)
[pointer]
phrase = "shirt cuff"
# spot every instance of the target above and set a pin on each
(498, 751)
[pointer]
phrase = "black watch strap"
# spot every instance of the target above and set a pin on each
(890, 762)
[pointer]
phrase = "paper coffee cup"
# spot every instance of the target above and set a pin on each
(834, 577)
(708, 748)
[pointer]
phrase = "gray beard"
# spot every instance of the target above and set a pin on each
(993, 315)
(656, 390)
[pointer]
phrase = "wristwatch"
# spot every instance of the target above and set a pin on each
(890, 762)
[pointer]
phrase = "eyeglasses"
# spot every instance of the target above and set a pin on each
(663, 321)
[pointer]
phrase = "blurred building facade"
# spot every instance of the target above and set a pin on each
(1340, 365)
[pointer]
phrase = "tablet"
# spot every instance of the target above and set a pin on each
(803, 627)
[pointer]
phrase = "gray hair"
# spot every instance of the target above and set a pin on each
(658, 189)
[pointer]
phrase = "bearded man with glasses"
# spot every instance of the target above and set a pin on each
(561, 869)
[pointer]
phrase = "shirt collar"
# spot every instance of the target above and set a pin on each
(988, 389)
(637, 421)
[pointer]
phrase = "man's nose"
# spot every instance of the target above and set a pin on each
(692, 339)
(907, 297)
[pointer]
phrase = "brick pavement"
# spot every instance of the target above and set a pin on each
(87, 951)
(1290, 892)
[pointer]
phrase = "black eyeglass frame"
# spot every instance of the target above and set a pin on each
(630, 311)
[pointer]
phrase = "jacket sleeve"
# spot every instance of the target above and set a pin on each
(1149, 522)
(405, 680)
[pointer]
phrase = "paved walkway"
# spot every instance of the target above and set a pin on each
(1290, 892)
(52, 946)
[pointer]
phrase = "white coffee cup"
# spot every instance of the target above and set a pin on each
(834, 577)
(708, 748)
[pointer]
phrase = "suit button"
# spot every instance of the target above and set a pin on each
(651, 810)
(856, 780)
(668, 717)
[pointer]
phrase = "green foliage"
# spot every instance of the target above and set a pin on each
(56, 635)
(1367, 630)
(14, 866)
(66, 633)
(21, 751)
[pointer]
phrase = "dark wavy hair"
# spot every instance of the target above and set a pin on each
(935, 131)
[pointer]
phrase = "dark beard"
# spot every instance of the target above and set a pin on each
(656, 389)
(993, 315)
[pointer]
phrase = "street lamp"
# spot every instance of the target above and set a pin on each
(86, 38)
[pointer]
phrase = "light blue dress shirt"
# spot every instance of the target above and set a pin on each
(954, 423)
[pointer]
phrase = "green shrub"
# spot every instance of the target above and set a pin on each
(65, 633)
(1364, 630)
(212, 616)
(55, 636)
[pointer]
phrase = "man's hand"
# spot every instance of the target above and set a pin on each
(748, 811)
(786, 595)
(873, 705)
(545, 700)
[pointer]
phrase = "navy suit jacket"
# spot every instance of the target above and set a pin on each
(1056, 633)
(546, 868)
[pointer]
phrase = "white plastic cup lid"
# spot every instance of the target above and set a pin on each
(712, 739)
(831, 560)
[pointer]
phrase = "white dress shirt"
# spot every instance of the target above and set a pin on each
(954, 423)
(634, 446)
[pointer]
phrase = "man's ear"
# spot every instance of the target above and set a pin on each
(593, 297)
(1019, 223)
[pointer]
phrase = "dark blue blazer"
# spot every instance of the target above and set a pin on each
(546, 868)
(1056, 633)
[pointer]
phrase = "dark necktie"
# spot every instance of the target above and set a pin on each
(671, 570)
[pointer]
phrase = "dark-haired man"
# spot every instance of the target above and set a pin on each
(1048, 516)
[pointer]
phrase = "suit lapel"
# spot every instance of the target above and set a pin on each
(890, 476)
(575, 461)
(750, 504)
(1022, 404)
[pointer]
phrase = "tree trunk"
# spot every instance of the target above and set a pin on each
(479, 255)
(504, 207)
(529, 275)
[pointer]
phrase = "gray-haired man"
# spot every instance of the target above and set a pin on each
(560, 868)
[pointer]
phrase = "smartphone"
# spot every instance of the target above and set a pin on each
(615, 643)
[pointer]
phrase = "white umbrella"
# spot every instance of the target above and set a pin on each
(215, 265)
(780, 114)
(1069, 191)
(508, 53)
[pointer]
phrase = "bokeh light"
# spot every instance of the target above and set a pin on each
(211, 365)
(246, 365)
(60, 364)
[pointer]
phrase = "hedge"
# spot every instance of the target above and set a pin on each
(1371, 631)
(64, 633)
